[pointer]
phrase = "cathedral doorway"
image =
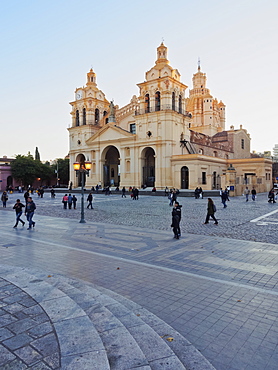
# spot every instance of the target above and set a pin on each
(184, 177)
(148, 158)
(111, 167)
(81, 159)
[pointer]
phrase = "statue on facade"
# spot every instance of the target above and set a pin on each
(111, 117)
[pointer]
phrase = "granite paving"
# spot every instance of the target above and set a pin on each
(216, 286)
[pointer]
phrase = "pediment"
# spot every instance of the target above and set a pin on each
(109, 132)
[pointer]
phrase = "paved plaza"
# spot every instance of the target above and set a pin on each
(206, 300)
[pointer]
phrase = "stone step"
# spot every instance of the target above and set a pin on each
(99, 329)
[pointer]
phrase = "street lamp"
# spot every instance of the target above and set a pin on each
(82, 168)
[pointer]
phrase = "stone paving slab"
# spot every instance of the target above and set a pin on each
(23, 341)
(126, 347)
(225, 305)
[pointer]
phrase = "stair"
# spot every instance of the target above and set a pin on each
(98, 329)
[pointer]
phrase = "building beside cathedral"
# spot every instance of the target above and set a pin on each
(162, 137)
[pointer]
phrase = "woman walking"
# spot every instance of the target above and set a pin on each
(4, 199)
(211, 211)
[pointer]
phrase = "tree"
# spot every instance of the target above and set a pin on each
(45, 173)
(24, 169)
(63, 170)
(37, 154)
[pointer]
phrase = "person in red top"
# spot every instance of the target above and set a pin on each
(65, 201)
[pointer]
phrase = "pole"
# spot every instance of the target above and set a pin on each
(57, 181)
(82, 221)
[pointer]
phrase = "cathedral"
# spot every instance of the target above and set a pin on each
(163, 137)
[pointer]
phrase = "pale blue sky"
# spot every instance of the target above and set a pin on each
(47, 47)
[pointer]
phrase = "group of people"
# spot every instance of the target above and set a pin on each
(30, 207)
(69, 201)
(198, 192)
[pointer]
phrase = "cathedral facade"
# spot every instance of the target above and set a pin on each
(163, 137)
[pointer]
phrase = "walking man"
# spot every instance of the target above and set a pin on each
(74, 200)
(123, 192)
(90, 200)
(253, 193)
(246, 193)
(70, 201)
(176, 218)
(29, 212)
(18, 211)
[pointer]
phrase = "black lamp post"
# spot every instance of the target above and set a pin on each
(82, 168)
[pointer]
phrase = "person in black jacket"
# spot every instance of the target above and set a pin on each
(29, 212)
(176, 218)
(18, 211)
(90, 200)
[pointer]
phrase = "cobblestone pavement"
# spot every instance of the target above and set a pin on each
(217, 290)
(27, 335)
(153, 212)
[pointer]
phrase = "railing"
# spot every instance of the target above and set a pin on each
(165, 107)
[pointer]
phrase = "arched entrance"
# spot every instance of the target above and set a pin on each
(148, 159)
(9, 181)
(81, 159)
(111, 167)
(184, 177)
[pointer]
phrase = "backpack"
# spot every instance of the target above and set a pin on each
(214, 208)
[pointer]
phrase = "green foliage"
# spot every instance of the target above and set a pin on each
(24, 169)
(63, 170)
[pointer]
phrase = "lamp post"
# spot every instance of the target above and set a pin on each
(82, 168)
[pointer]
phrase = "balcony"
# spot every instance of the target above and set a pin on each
(166, 107)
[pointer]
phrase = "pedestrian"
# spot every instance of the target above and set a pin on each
(224, 197)
(176, 218)
(136, 193)
(4, 199)
(41, 192)
(65, 201)
(29, 212)
(201, 193)
(123, 192)
(271, 196)
(74, 200)
(211, 211)
(26, 195)
(196, 193)
(52, 191)
(18, 211)
(253, 193)
(246, 193)
(90, 200)
(70, 201)
(97, 187)
(166, 191)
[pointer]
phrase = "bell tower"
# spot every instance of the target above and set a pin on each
(91, 78)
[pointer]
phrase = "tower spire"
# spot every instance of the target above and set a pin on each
(199, 64)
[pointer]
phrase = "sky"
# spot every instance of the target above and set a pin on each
(47, 48)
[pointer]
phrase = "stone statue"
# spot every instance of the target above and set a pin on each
(112, 109)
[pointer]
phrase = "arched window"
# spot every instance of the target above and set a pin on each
(112, 172)
(173, 101)
(157, 101)
(180, 104)
(77, 118)
(84, 116)
(96, 116)
(147, 103)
